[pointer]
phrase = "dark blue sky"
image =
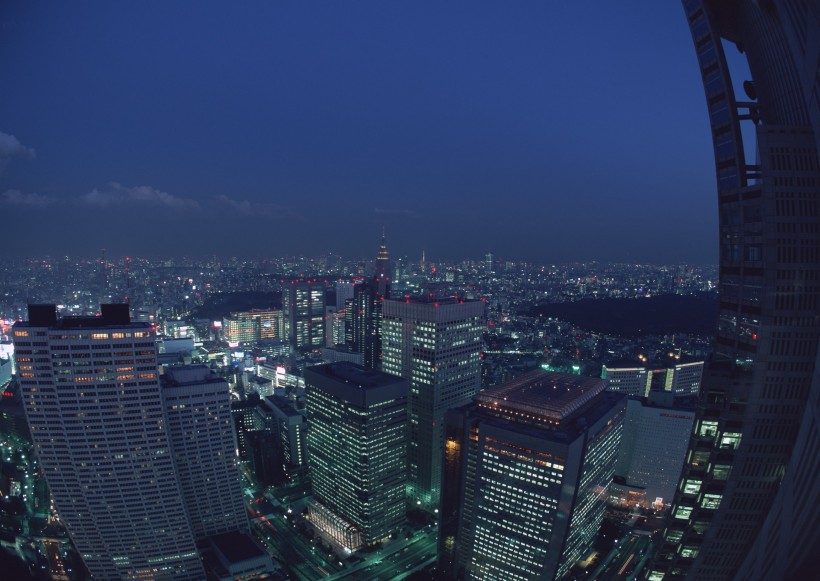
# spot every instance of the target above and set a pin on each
(547, 131)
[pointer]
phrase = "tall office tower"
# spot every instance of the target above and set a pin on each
(435, 346)
(528, 466)
(653, 446)
(198, 416)
(303, 304)
(334, 326)
(245, 421)
(290, 433)
(488, 262)
(750, 474)
(94, 404)
(680, 379)
(358, 448)
(344, 291)
(366, 311)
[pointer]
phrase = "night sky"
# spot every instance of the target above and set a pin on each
(545, 131)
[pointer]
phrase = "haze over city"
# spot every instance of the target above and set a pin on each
(544, 132)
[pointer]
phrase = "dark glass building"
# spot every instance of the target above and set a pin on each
(746, 504)
(357, 451)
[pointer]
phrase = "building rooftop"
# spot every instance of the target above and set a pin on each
(544, 395)
(113, 315)
(236, 546)
(352, 373)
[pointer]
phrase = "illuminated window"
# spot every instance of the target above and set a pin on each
(98, 336)
(711, 501)
(692, 486)
(683, 512)
(721, 471)
(707, 429)
(689, 552)
(730, 440)
(20, 333)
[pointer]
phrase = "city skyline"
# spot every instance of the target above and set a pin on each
(347, 119)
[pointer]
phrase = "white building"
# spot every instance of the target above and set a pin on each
(198, 416)
(93, 401)
(435, 346)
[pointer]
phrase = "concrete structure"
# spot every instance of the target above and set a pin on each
(303, 305)
(653, 446)
(239, 557)
(679, 379)
(94, 404)
(745, 488)
(358, 448)
(198, 417)
(435, 346)
(528, 466)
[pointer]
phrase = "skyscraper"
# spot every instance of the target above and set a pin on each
(357, 448)
(198, 416)
(94, 405)
(366, 311)
(752, 460)
(303, 304)
(528, 465)
(435, 345)
(653, 446)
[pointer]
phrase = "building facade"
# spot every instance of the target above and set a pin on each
(745, 481)
(679, 379)
(94, 404)
(303, 305)
(198, 417)
(357, 447)
(654, 443)
(528, 466)
(435, 346)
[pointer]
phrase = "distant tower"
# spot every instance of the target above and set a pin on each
(366, 311)
(488, 262)
(435, 345)
(423, 263)
(357, 451)
(383, 260)
(527, 469)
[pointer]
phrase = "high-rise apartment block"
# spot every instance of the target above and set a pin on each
(742, 506)
(680, 379)
(303, 304)
(435, 345)
(357, 451)
(94, 405)
(527, 469)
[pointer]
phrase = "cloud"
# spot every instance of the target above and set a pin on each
(18, 198)
(10, 147)
(117, 195)
(248, 208)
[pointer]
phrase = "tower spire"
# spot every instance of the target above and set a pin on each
(383, 258)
